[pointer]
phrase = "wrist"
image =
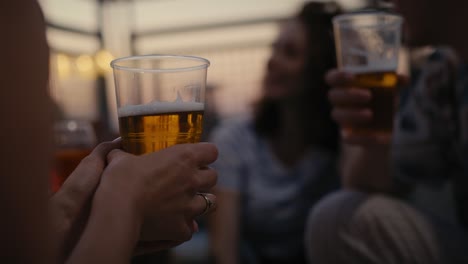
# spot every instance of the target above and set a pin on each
(110, 203)
(118, 214)
(111, 233)
(367, 168)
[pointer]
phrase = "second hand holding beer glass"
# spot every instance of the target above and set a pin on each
(160, 103)
(160, 100)
(367, 46)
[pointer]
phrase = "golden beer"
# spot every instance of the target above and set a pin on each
(383, 86)
(148, 128)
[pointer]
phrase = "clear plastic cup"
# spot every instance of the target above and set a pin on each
(160, 100)
(368, 45)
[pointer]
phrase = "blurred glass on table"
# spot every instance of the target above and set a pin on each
(368, 46)
(74, 140)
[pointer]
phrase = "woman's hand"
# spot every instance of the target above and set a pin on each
(152, 197)
(365, 158)
(71, 204)
(351, 108)
(162, 187)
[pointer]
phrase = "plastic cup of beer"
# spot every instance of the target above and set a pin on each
(368, 46)
(160, 100)
(160, 103)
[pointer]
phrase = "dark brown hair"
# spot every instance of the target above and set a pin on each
(313, 105)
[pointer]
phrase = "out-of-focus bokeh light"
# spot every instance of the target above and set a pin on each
(102, 60)
(85, 66)
(63, 66)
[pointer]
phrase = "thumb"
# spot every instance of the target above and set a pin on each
(116, 154)
(86, 176)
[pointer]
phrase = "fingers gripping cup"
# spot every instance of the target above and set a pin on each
(368, 45)
(160, 100)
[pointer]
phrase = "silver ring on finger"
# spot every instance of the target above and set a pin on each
(208, 203)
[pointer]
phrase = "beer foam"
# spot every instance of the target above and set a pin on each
(159, 108)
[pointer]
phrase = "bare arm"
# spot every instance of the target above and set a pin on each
(224, 228)
(366, 158)
(111, 233)
(367, 168)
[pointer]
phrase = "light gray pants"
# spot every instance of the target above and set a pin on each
(354, 227)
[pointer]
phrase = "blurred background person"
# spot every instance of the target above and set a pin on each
(277, 163)
(378, 217)
(211, 116)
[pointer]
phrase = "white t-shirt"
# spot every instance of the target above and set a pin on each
(275, 199)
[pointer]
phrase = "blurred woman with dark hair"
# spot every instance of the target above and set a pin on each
(275, 165)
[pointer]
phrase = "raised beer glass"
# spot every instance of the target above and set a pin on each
(367, 45)
(160, 100)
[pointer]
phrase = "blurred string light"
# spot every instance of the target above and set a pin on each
(102, 60)
(86, 66)
(63, 66)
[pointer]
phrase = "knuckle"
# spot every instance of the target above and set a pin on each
(213, 198)
(102, 149)
(195, 182)
(213, 177)
(113, 154)
(91, 164)
(104, 145)
(74, 191)
(188, 155)
(90, 160)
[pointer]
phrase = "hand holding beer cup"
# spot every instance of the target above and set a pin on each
(160, 190)
(365, 84)
(160, 103)
(351, 107)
